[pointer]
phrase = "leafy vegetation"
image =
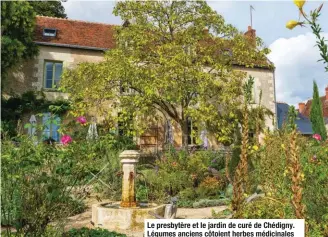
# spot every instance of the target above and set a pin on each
(85, 232)
(14, 109)
(316, 115)
(169, 62)
(49, 8)
(17, 30)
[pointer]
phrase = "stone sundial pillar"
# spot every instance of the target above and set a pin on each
(129, 160)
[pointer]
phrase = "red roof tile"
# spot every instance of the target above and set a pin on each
(75, 33)
(324, 103)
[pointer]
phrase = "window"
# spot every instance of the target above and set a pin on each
(53, 71)
(51, 125)
(49, 32)
(191, 132)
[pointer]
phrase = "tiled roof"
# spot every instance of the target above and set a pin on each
(73, 33)
(100, 36)
(304, 125)
(324, 102)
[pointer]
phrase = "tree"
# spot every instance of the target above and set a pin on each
(49, 8)
(176, 59)
(316, 115)
(17, 28)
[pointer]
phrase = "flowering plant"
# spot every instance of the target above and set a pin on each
(82, 120)
(65, 139)
(317, 137)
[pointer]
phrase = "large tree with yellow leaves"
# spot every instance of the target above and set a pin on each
(175, 58)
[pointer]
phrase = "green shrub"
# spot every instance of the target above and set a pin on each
(178, 171)
(142, 193)
(34, 193)
(265, 208)
(210, 203)
(85, 232)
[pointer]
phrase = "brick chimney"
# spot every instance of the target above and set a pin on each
(301, 107)
(251, 35)
(326, 93)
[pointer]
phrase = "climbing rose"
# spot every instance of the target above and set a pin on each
(66, 139)
(82, 120)
(317, 137)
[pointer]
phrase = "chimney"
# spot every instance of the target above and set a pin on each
(251, 35)
(326, 93)
(301, 107)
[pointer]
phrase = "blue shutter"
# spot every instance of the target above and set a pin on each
(46, 125)
(55, 127)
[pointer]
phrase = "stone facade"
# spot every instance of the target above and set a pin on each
(30, 76)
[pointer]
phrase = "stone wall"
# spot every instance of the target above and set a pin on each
(30, 75)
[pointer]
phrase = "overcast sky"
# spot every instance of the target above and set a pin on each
(292, 52)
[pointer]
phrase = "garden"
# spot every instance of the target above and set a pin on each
(282, 176)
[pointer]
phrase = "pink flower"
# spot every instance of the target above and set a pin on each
(317, 137)
(66, 139)
(82, 120)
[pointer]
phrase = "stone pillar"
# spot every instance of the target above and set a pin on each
(129, 159)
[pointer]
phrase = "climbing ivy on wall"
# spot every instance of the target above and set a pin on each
(14, 108)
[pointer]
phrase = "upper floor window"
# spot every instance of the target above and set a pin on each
(49, 32)
(53, 71)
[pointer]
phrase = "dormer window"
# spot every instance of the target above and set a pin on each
(49, 32)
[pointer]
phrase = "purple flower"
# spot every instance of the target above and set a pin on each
(66, 139)
(82, 120)
(317, 137)
(314, 158)
(213, 161)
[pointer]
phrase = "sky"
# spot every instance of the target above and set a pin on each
(292, 51)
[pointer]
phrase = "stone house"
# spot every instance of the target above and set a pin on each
(64, 43)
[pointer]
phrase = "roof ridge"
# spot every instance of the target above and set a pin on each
(65, 19)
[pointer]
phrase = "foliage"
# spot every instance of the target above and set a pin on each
(85, 232)
(210, 203)
(17, 29)
(181, 173)
(241, 179)
(264, 208)
(315, 168)
(166, 64)
(49, 8)
(316, 114)
(35, 193)
(312, 20)
(142, 193)
(272, 173)
(210, 187)
(16, 107)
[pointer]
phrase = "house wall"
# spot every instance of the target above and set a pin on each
(264, 81)
(30, 76)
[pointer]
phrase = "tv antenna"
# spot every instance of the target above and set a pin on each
(251, 8)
